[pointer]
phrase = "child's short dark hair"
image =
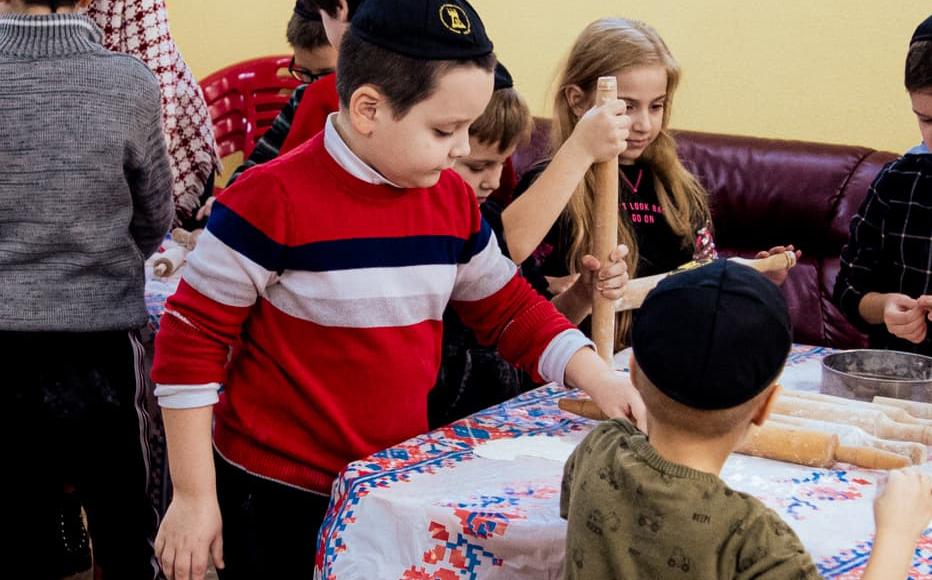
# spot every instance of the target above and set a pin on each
(306, 34)
(506, 121)
(331, 6)
(404, 81)
(52, 4)
(919, 66)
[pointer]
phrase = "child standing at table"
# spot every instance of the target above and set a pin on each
(708, 345)
(661, 205)
(316, 293)
(85, 197)
(884, 285)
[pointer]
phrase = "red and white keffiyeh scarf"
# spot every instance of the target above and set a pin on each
(140, 28)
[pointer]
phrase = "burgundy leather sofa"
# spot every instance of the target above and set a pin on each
(766, 192)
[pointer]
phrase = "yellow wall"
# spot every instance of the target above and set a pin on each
(823, 70)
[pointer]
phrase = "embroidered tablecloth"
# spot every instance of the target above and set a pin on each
(480, 498)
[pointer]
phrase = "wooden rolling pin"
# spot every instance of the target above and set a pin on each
(168, 262)
(895, 413)
(183, 237)
(582, 407)
(634, 293)
(814, 448)
(872, 421)
(855, 436)
(605, 233)
(914, 408)
(783, 443)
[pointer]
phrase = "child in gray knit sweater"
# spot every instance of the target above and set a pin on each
(85, 197)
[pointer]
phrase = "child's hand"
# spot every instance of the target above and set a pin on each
(925, 302)
(625, 402)
(903, 508)
(780, 276)
(613, 392)
(610, 279)
(189, 535)
(905, 317)
(205, 210)
(602, 132)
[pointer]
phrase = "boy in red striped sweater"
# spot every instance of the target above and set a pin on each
(319, 307)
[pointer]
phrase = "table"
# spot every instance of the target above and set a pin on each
(463, 502)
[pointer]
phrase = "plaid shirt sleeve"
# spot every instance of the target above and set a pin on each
(890, 245)
(269, 146)
(862, 256)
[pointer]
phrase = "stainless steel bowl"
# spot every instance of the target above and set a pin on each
(864, 374)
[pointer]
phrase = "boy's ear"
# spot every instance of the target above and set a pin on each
(364, 108)
(760, 416)
(576, 99)
(634, 370)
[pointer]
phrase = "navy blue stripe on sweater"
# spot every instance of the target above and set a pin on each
(349, 254)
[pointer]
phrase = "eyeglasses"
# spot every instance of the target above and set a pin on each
(304, 75)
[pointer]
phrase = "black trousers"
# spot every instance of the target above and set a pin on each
(71, 411)
(269, 529)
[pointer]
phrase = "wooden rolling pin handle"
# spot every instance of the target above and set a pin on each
(888, 428)
(871, 458)
(605, 233)
(915, 408)
(582, 407)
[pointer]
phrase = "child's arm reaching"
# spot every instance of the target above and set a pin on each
(600, 135)
(502, 308)
(902, 512)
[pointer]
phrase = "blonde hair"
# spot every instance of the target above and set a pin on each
(607, 47)
(506, 121)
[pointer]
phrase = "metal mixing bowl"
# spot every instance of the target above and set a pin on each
(863, 374)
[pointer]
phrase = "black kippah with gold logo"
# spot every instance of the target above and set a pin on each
(423, 29)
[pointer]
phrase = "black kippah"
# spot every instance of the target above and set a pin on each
(305, 11)
(423, 29)
(923, 31)
(713, 337)
(503, 78)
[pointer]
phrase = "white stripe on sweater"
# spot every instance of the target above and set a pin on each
(222, 274)
(485, 274)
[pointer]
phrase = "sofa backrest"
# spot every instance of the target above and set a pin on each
(768, 192)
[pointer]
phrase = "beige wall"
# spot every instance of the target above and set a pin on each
(822, 70)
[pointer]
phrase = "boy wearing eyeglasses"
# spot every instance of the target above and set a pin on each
(314, 59)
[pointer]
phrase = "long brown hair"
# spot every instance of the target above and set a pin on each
(607, 47)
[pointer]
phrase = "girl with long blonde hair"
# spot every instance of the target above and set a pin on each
(661, 204)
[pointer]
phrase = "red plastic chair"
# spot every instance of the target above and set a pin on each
(244, 99)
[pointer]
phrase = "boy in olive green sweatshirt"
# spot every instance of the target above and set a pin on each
(708, 345)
